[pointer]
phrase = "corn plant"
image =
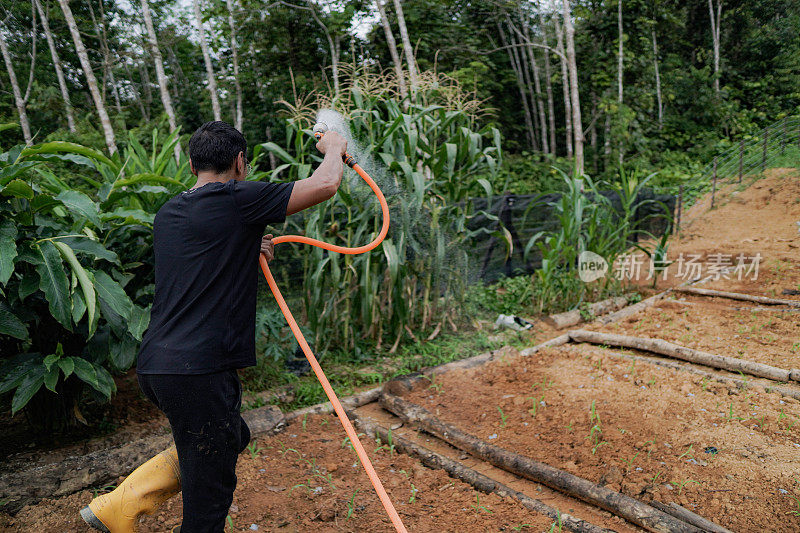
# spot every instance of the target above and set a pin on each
(425, 156)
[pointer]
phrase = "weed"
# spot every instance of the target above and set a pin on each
(433, 384)
(653, 442)
(254, 449)
(687, 453)
(305, 419)
(704, 383)
(655, 477)
(347, 442)
(556, 523)
(796, 500)
(229, 520)
(103, 490)
(569, 427)
(520, 527)
(651, 382)
(595, 437)
(681, 485)
(781, 415)
(477, 507)
(351, 504)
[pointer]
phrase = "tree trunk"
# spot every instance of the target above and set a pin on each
(551, 115)
(398, 66)
(62, 84)
(139, 100)
(91, 81)
(409, 51)
(564, 87)
(234, 50)
(536, 84)
(108, 71)
(163, 87)
(212, 82)
(739, 296)
(521, 59)
(333, 46)
(520, 86)
(659, 102)
(20, 101)
(577, 124)
(715, 24)
(620, 59)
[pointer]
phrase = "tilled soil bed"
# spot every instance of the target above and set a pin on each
(308, 479)
(729, 454)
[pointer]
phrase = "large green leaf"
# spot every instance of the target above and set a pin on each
(8, 249)
(280, 152)
(13, 370)
(53, 282)
(18, 188)
(147, 177)
(81, 205)
(130, 216)
(85, 245)
(140, 319)
(55, 147)
(85, 371)
(105, 383)
(123, 353)
(12, 171)
(10, 324)
(87, 287)
(113, 295)
(29, 386)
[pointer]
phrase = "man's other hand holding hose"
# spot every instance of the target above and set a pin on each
(324, 182)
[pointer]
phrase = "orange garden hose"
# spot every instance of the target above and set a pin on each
(337, 406)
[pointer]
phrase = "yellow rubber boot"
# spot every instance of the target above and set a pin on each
(142, 492)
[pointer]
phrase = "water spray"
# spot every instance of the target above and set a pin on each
(319, 130)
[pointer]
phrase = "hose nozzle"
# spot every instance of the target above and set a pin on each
(320, 129)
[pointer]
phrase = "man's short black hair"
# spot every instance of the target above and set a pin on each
(215, 145)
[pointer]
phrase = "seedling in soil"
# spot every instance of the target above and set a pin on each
(790, 426)
(323, 422)
(414, 491)
(254, 449)
(683, 484)
(704, 383)
(389, 446)
(651, 382)
(536, 403)
(98, 491)
(520, 527)
(433, 384)
(795, 347)
(305, 419)
(630, 461)
(595, 437)
(284, 450)
(654, 478)
(569, 427)
(347, 442)
(729, 415)
(351, 506)
(556, 523)
(796, 500)
(229, 520)
(687, 453)
(503, 418)
(653, 442)
(477, 507)
(781, 415)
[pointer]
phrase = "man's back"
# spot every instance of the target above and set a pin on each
(206, 245)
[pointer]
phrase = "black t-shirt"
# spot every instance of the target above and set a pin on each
(206, 243)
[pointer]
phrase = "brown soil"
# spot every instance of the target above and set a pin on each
(283, 488)
(730, 454)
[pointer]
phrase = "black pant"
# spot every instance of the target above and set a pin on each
(209, 433)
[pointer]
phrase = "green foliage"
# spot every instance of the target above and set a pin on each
(71, 273)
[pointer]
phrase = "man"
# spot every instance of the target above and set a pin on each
(206, 242)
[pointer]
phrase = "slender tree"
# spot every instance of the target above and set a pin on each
(235, 53)
(163, 84)
(565, 86)
(521, 59)
(212, 81)
(62, 84)
(620, 58)
(659, 101)
(409, 51)
(577, 125)
(520, 86)
(715, 25)
(536, 83)
(548, 83)
(91, 81)
(398, 66)
(333, 46)
(19, 100)
(108, 71)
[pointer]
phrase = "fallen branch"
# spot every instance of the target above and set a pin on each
(633, 309)
(479, 481)
(75, 473)
(663, 347)
(571, 318)
(739, 296)
(687, 516)
(350, 402)
(634, 511)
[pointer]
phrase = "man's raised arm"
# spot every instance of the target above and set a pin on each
(324, 182)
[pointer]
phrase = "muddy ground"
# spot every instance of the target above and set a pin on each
(729, 453)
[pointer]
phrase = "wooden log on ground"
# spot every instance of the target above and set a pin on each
(479, 481)
(687, 516)
(571, 318)
(663, 347)
(739, 296)
(349, 402)
(79, 472)
(633, 309)
(634, 511)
